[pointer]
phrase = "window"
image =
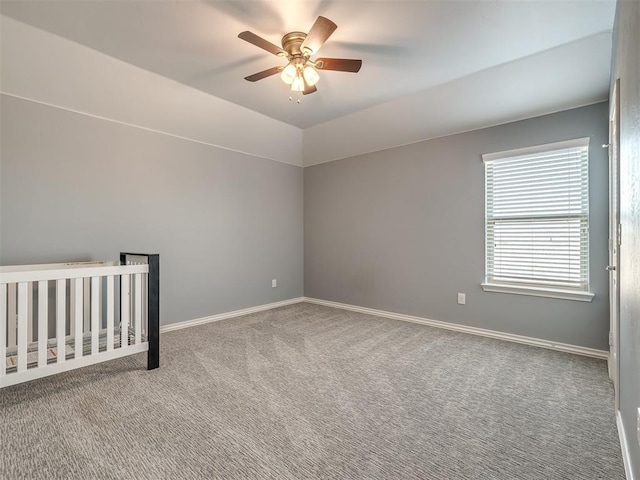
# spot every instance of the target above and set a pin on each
(537, 221)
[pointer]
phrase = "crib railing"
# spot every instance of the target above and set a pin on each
(58, 317)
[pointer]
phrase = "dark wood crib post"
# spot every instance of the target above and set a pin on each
(153, 306)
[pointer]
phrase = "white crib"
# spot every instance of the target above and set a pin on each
(58, 317)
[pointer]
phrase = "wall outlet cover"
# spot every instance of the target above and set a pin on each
(274, 283)
(462, 298)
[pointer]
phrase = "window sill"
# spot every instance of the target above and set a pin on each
(538, 292)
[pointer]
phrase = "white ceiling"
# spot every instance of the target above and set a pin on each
(408, 48)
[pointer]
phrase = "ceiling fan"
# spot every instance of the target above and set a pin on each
(297, 47)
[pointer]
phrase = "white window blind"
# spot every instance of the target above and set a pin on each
(537, 217)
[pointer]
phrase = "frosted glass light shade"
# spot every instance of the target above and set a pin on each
(288, 74)
(310, 75)
(297, 85)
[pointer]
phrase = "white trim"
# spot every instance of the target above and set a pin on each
(624, 446)
(223, 316)
(510, 337)
(536, 342)
(153, 130)
(517, 152)
(538, 292)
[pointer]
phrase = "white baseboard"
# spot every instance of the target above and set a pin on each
(624, 446)
(223, 316)
(562, 347)
(536, 342)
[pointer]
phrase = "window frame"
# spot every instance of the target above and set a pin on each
(522, 288)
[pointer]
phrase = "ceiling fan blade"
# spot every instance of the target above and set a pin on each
(320, 31)
(339, 64)
(308, 88)
(262, 43)
(263, 74)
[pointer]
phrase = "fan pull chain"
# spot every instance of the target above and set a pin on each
(298, 100)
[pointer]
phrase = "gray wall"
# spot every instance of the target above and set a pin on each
(75, 187)
(402, 230)
(627, 68)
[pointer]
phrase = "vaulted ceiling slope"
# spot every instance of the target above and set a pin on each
(430, 68)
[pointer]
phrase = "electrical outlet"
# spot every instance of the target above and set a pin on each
(462, 298)
(274, 283)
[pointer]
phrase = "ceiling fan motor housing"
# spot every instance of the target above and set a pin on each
(291, 43)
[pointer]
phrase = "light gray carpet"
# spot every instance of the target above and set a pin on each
(306, 392)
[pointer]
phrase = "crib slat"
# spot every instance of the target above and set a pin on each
(79, 308)
(95, 315)
(110, 309)
(11, 316)
(43, 323)
(137, 312)
(3, 328)
(61, 307)
(72, 310)
(30, 312)
(125, 309)
(86, 314)
(23, 308)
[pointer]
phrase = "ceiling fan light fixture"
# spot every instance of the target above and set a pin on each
(288, 74)
(310, 75)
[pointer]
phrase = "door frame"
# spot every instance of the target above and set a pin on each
(614, 246)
